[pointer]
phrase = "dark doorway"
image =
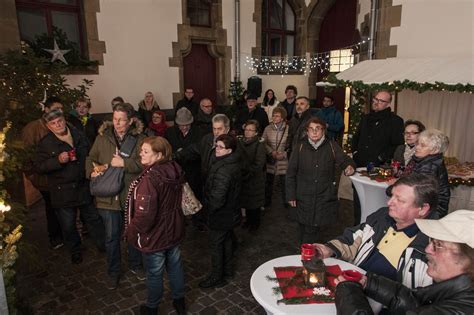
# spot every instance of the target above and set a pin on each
(199, 69)
(338, 30)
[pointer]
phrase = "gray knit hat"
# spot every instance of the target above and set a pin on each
(53, 114)
(184, 116)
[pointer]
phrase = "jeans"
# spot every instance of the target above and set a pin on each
(113, 221)
(156, 262)
(52, 221)
(269, 188)
(67, 220)
(221, 250)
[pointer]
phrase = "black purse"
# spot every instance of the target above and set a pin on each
(110, 183)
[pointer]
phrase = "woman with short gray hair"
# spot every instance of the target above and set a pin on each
(429, 159)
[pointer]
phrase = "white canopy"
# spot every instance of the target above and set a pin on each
(431, 70)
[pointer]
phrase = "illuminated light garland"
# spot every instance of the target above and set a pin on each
(305, 64)
(456, 181)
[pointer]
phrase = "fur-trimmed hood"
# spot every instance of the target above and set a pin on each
(136, 127)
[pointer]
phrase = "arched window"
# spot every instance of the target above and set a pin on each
(199, 12)
(278, 28)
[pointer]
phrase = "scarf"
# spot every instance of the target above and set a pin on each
(66, 138)
(408, 154)
(160, 128)
(317, 144)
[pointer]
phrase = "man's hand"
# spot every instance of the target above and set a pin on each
(63, 157)
(292, 203)
(117, 161)
(325, 251)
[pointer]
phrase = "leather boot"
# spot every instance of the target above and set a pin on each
(179, 306)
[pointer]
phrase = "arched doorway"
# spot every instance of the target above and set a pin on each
(199, 73)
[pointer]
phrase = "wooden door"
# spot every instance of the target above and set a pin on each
(200, 73)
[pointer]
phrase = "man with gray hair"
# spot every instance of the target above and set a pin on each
(389, 243)
(450, 254)
(61, 156)
(204, 116)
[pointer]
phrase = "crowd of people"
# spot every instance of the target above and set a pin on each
(231, 166)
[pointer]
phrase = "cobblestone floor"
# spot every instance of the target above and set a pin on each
(49, 284)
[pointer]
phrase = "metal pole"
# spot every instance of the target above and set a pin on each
(237, 41)
(373, 24)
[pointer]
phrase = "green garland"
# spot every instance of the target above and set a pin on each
(402, 85)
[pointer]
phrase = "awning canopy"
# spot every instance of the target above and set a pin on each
(423, 70)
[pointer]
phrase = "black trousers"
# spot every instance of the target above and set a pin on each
(52, 221)
(220, 246)
(269, 188)
(307, 233)
(253, 217)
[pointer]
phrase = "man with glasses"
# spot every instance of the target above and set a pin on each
(204, 116)
(297, 124)
(389, 243)
(252, 112)
(188, 102)
(450, 255)
(379, 133)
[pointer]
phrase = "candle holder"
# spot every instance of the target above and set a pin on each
(314, 272)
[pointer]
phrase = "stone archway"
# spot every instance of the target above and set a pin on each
(215, 37)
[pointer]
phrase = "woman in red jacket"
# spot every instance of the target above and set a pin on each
(155, 221)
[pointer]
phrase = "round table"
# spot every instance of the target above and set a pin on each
(263, 293)
(371, 193)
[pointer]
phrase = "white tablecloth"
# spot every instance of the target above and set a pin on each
(462, 197)
(263, 293)
(371, 194)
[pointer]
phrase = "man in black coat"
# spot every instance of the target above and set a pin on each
(251, 112)
(61, 155)
(188, 102)
(204, 117)
(290, 102)
(377, 136)
(297, 124)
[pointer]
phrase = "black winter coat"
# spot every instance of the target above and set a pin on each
(310, 180)
(222, 193)
(254, 158)
(434, 165)
(89, 129)
(296, 128)
(66, 182)
(189, 104)
(191, 168)
(377, 137)
(453, 296)
(257, 114)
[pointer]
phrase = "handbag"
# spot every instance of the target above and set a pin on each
(189, 203)
(109, 184)
(270, 159)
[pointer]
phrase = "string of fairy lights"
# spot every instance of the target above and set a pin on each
(306, 64)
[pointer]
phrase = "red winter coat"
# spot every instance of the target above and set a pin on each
(154, 216)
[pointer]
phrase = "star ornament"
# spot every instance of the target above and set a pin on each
(57, 53)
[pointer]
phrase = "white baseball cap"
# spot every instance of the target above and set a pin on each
(456, 227)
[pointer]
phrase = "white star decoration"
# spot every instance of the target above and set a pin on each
(57, 53)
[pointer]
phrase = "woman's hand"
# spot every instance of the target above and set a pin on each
(117, 161)
(349, 170)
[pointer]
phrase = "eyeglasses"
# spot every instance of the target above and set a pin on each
(314, 130)
(378, 100)
(220, 147)
(406, 133)
(436, 244)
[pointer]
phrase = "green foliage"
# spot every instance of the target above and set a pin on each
(396, 86)
(236, 90)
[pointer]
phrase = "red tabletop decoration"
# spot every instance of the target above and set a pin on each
(294, 291)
